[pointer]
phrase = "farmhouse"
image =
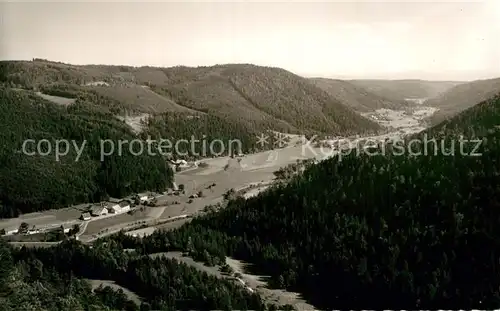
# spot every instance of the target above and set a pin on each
(85, 216)
(113, 208)
(122, 207)
(11, 232)
(33, 231)
(99, 211)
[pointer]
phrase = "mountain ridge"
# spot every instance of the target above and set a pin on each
(224, 90)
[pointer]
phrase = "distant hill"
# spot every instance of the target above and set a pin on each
(355, 96)
(461, 97)
(397, 90)
(258, 97)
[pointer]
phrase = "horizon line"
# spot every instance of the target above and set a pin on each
(411, 76)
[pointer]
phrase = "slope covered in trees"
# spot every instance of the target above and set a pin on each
(357, 97)
(262, 98)
(53, 279)
(462, 97)
(37, 182)
(481, 118)
(371, 231)
(212, 135)
(28, 284)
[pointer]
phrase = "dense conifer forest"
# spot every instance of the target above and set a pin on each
(55, 279)
(204, 135)
(371, 231)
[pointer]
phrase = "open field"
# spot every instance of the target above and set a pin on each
(57, 99)
(45, 220)
(142, 232)
(100, 224)
(400, 119)
(140, 98)
(135, 122)
(258, 283)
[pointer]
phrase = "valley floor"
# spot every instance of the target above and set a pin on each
(253, 171)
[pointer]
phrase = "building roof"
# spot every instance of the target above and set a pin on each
(97, 209)
(124, 203)
(116, 208)
(85, 215)
(114, 200)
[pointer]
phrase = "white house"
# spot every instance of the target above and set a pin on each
(122, 207)
(143, 198)
(33, 231)
(85, 216)
(11, 232)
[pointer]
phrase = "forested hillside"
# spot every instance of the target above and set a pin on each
(260, 98)
(215, 135)
(481, 118)
(356, 97)
(36, 182)
(371, 231)
(28, 284)
(462, 97)
(54, 279)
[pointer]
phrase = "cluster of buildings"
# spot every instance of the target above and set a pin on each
(106, 208)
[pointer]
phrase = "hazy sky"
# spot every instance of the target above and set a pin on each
(448, 40)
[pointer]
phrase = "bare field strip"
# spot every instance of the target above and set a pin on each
(98, 225)
(130, 295)
(57, 99)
